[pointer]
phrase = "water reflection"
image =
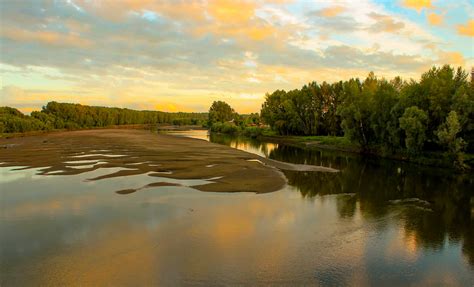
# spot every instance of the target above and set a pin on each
(376, 223)
(246, 144)
(435, 207)
(174, 235)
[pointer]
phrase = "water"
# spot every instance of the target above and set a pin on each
(374, 223)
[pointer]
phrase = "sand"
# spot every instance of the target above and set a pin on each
(140, 152)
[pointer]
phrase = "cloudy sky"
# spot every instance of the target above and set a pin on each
(182, 55)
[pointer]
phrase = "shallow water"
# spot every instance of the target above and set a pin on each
(374, 223)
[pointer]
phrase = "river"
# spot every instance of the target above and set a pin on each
(375, 223)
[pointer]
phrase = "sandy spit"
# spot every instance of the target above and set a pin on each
(140, 151)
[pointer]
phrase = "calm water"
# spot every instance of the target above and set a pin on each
(378, 223)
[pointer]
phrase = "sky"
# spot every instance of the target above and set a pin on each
(174, 55)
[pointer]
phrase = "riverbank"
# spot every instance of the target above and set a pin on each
(143, 152)
(435, 159)
(342, 144)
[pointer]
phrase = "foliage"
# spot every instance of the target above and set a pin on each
(413, 123)
(379, 115)
(75, 116)
(221, 112)
(447, 135)
(252, 132)
(223, 119)
(309, 111)
(12, 120)
(227, 128)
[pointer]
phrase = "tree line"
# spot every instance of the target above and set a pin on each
(434, 113)
(75, 116)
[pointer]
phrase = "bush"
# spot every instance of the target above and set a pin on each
(71, 126)
(226, 128)
(216, 127)
(252, 132)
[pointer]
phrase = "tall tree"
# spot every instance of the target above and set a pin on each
(413, 123)
(220, 112)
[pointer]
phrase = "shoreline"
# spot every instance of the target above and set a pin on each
(438, 160)
(229, 169)
(431, 159)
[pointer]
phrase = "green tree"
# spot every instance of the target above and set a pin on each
(356, 111)
(447, 135)
(220, 112)
(384, 117)
(413, 123)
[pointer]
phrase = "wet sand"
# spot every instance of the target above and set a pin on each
(139, 152)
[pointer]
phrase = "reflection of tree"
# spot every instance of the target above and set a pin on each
(310, 156)
(346, 206)
(432, 205)
(243, 143)
(234, 141)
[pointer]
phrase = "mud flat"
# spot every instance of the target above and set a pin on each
(139, 152)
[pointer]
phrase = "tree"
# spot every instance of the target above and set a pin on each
(220, 112)
(413, 123)
(276, 113)
(447, 135)
(384, 117)
(356, 110)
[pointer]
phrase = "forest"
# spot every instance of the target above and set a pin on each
(384, 117)
(435, 113)
(75, 116)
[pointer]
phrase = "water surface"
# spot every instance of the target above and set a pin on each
(379, 223)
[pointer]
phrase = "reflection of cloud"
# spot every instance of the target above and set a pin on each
(108, 262)
(402, 247)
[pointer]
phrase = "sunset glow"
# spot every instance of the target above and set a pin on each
(183, 55)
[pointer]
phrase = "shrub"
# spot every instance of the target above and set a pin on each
(226, 128)
(252, 132)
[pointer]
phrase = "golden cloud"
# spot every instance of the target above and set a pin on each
(189, 10)
(434, 19)
(229, 11)
(45, 37)
(418, 5)
(451, 58)
(332, 11)
(385, 23)
(466, 30)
